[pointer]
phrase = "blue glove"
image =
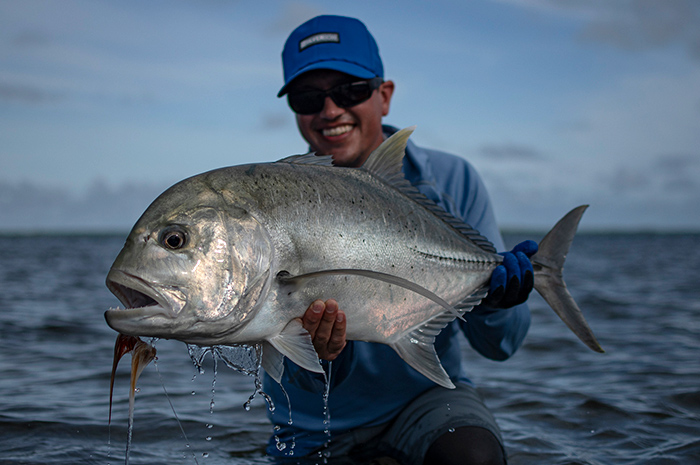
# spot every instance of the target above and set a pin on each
(512, 281)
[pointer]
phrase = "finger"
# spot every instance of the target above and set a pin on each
(312, 317)
(498, 278)
(497, 286)
(513, 280)
(325, 325)
(527, 277)
(337, 341)
(510, 262)
(528, 247)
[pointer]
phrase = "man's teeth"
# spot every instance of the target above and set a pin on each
(330, 132)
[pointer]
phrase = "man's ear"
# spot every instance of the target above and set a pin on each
(386, 90)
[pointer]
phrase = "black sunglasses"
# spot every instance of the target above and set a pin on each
(345, 96)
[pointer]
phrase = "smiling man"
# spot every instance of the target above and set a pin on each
(330, 85)
(379, 406)
(349, 129)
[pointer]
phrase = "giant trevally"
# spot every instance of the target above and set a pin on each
(236, 255)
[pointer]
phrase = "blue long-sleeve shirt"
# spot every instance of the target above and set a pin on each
(369, 383)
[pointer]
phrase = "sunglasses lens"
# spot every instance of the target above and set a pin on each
(306, 103)
(349, 95)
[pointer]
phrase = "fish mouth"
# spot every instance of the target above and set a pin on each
(141, 301)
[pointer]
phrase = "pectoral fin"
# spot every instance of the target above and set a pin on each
(272, 362)
(294, 342)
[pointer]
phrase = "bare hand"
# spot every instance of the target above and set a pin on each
(326, 323)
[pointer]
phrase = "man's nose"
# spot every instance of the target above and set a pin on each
(330, 110)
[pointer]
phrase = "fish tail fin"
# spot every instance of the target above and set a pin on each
(548, 265)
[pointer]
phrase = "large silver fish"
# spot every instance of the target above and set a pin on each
(236, 255)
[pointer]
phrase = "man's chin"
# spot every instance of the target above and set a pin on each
(349, 161)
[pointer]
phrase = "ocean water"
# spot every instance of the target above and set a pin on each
(556, 401)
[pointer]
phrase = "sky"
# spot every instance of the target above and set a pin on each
(105, 104)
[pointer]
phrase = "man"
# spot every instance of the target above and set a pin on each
(378, 405)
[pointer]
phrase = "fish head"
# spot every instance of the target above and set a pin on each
(193, 268)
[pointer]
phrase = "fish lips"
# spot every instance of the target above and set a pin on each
(146, 310)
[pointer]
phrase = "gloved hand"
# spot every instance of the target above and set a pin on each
(512, 281)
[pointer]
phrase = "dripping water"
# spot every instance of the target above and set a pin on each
(172, 407)
(280, 445)
(324, 454)
(326, 410)
(247, 359)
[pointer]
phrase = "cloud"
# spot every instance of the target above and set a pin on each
(274, 121)
(28, 94)
(634, 25)
(647, 24)
(511, 152)
(679, 173)
(660, 192)
(677, 163)
(669, 178)
(27, 207)
(30, 39)
(94, 53)
(627, 180)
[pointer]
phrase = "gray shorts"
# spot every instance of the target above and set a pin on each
(410, 434)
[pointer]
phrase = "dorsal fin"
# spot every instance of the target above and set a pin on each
(386, 162)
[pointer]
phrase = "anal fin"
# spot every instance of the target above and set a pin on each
(418, 347)
(422, 357)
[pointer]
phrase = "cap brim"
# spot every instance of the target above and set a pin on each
(342, 66)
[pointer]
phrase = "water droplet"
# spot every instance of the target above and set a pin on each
(193, 393)
(209, 425)
(280, 445)
(451, 430)
(208, 438)
(205, 454)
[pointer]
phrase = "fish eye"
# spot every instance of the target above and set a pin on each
(173, 237)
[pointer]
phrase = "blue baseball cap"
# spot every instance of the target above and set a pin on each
(331, 42)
